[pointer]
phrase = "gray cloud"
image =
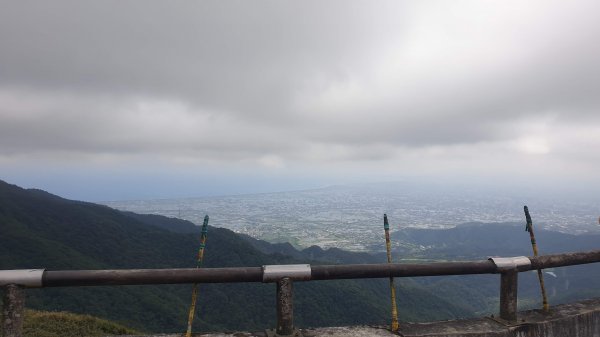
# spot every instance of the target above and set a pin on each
(267, 83)
(235, 55)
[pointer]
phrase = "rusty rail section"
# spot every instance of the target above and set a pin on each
(285, 274)
(71, 278)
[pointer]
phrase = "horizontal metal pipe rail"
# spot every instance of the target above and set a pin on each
(284, 275)
(70, 278)
(255, 274)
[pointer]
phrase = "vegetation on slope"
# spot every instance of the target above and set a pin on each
(65, 324)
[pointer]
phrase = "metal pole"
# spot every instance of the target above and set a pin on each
(76, 278)
(565, 259)
(12, 311)
(192, 312)
(385, 270)
(388, 246)
(508, 295)
(529, 228)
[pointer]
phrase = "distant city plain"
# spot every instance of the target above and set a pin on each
(351, 217)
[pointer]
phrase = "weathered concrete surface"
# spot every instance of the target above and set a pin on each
(580, 319)
(12, 311)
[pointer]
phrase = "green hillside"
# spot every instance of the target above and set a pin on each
(40, 230)
(65, 324)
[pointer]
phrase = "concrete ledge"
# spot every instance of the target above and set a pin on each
(581, 319)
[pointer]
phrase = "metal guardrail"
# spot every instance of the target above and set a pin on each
(15, 280)
(72, 278)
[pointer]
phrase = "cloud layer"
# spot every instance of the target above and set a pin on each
(418, 86)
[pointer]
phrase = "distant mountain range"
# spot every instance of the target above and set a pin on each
(477, 240)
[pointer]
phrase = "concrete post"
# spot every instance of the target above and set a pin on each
(285, 307)
(508, 295)
(13, 311)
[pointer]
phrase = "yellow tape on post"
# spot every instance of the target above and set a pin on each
(192, 313)
(529, 228)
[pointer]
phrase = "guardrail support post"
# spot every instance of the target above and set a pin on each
(285, 307)
(12, 311)
(285, 311)
(508, 295)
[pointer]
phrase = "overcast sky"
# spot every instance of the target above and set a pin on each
(147, 99)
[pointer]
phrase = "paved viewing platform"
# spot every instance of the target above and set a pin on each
(581, 319)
